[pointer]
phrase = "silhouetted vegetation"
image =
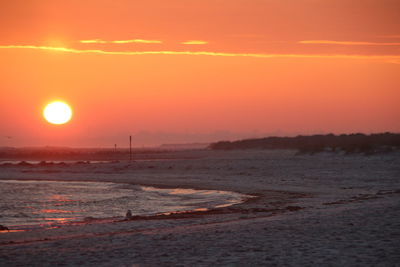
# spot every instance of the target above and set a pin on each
(347, 143)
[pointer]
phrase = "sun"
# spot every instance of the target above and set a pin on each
(57, 112)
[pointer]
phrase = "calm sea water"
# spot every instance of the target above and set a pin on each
(24, 204)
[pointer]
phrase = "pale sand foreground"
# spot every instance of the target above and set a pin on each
(350, 215)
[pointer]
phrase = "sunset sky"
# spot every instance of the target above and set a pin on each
(182, 71)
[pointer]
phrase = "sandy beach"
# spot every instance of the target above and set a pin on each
(307, 210)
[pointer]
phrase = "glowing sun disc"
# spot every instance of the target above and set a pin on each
(57, 112)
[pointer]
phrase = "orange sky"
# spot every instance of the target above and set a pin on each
(185, 71)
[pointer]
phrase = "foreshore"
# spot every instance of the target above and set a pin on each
(322, 209)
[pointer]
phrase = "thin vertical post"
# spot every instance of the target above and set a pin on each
(130, 147)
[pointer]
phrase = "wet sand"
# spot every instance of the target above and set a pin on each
(326, 209)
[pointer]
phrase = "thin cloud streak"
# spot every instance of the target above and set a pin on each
(100, 41)
(345, 43)
(94, 41)
(194, 42)
(386, 58)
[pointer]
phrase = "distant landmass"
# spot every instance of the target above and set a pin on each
(121, 153)
(347, 143)
(184, 146)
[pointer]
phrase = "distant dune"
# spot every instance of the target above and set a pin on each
(185, 146)
(349, 143)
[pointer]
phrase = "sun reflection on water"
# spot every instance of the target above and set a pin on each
(56, 211)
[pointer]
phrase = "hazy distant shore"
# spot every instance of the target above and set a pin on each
(342, 144)
(323, 209)
(84, 154)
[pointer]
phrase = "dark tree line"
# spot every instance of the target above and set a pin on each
(349, 143)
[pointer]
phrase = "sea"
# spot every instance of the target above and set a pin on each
(30, 204)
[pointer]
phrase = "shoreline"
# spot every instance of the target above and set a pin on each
(218, 208)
